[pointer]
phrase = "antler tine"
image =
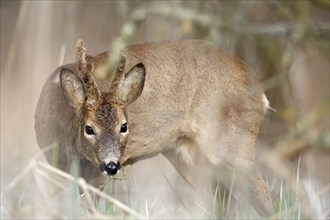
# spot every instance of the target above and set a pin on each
(81, 56)
(86, 69)
(83, 66)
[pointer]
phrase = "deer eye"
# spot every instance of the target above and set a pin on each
(89, 130)
(123, 128)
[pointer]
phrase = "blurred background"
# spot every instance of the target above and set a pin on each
(285, 42)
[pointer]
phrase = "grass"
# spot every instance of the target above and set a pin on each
(42, 191)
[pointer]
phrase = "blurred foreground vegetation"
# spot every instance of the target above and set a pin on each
(285, 42)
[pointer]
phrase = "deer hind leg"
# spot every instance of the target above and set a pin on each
(231, 150)
(196, 169)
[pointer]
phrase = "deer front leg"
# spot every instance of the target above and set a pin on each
(197, 171)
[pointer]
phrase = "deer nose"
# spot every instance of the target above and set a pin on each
(110, 168)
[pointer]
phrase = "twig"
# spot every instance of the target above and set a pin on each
(83, 185)
(49, 178)
(91, 188)
(173, 188)
(17, 178)
(207, 20)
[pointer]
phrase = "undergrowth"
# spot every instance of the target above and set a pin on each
(42, 191)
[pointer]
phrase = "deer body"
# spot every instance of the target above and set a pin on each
(197, 105)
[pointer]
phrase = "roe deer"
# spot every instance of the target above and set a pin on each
(197, 105)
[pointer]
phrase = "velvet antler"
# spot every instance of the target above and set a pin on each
(86, 68)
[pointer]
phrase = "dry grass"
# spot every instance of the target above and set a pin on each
(43, 191)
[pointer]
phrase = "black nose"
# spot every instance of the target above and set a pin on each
(111, 168)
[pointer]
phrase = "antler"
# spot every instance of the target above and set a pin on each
(86, 68)
(118, 76)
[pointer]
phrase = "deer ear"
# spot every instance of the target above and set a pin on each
(72, 88)
(132, 84)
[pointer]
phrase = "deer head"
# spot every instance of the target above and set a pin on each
(101, 117)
